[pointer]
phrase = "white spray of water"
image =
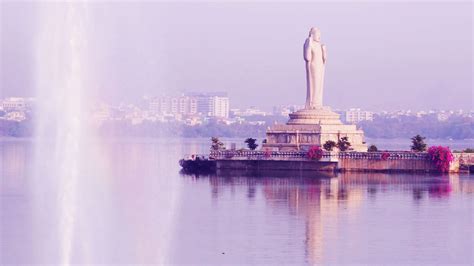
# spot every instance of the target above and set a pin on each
(72, 180)
(60, 72)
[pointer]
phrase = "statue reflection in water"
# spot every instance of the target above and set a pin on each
(319, 200)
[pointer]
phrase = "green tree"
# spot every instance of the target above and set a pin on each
(329, 145)
(418, 144)
(372, 148)
(343, 144)
(217, 145)
(251, 143)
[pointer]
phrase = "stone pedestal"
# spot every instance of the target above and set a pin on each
(317, 116)
(309, 127)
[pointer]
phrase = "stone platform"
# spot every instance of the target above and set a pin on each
(310, 127)
(263, 160)
(317, 116)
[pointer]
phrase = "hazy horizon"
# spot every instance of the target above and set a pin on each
(381, 56)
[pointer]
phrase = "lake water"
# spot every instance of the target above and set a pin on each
(126, 202)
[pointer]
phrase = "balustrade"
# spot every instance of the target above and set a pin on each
(269, 155)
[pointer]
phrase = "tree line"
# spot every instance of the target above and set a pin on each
(380, 127)
(428, 126)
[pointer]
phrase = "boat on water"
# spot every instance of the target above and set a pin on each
(195, 163)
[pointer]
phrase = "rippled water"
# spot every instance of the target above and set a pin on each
(228, 218)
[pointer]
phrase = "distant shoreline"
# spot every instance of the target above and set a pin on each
(459, 128)
(381, 143)
(233, 137)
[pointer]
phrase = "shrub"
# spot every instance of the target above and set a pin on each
(314, 153)
(251, 143)
(217, 145)
(343, 144)
(441, 156)
(329, 145)
(372, 148)
(418, 144)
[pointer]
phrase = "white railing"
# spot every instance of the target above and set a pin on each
(288, 155)
(258, 155)
(464, 158)
(385, 155)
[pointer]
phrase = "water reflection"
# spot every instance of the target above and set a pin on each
(122, 210)
(232, 217)
(339, 185)
(334, 208)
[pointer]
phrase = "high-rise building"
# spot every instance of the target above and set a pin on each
(355, 115)
(154, 106)
(219, 106)
(193, 103)
(185, 105)
(212, 104)
(174, 105)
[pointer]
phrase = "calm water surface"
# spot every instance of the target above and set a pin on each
(129, 204)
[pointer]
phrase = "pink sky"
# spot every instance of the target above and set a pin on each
(380, 55)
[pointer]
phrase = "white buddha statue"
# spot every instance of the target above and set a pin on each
(315, 59)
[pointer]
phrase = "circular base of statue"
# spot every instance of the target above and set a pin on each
(320, 115)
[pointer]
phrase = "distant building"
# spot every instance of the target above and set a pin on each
(184, 105)
(154, 106)
(101, 113)
(15, 116)
(285, 110)
(174, 105)
(16, 104)
(248, 112)
(421, 113)
(212, 104)
(443, 116)
(220, 107)
(355, 115)
(206, 104)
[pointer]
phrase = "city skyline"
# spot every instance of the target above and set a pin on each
(396, 63)
(233, 106)
(204, 115)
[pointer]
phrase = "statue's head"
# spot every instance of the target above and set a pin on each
(315, 34)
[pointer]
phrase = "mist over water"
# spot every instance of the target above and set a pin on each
(69, 196)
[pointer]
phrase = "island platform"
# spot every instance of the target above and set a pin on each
(387, 161)
(287, 145)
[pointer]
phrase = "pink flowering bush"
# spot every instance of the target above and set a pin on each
(385, 155)
(267, 153)
(441, 156)
(314, 153)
